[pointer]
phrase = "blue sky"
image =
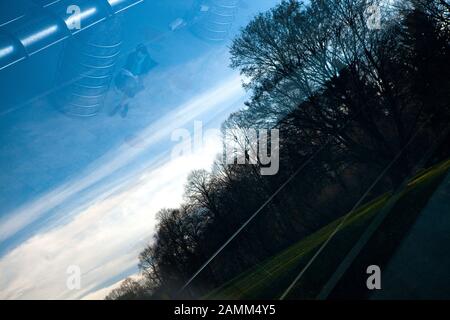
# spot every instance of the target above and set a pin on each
(85, 192)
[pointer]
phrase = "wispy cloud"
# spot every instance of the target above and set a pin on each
(103, 240)
(116, 159)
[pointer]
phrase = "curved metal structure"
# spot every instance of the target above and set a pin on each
(88, 65)
(215, 19)
(31, 26)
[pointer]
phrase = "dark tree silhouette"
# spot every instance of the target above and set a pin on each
(348, 96)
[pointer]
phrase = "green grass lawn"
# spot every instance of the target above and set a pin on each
(269, 279)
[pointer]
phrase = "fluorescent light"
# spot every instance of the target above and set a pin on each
(5, 51)
(39, 35)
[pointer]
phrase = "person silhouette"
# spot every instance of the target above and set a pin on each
(129, 80)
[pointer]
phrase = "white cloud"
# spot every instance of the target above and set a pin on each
(103, 240)
(216, 98)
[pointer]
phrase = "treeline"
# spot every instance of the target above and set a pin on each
(348, 92)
